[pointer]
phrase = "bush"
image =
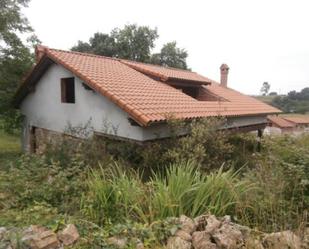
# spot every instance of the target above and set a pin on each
(43, 213)
(281, 197)
(199, 145)
(34, 179)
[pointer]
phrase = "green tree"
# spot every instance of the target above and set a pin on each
(171, 56)
(297, 102)
(12, 22)
(134, 42)
(100, 44)
(265, 88)
(15, 55)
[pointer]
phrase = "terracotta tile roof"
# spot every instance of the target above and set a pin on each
(280, 122)
(167, 73)
(147, 100)
(297, 119)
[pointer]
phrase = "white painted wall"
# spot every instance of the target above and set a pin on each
(43, 108)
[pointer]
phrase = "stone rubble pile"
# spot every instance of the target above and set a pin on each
(203, 232)
(38, 237)
(210, 232)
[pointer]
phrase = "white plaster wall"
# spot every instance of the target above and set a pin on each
(43, 108)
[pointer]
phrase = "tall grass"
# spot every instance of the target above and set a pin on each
(113, 194)
(185, 190)
(278, 201)
(116, 195)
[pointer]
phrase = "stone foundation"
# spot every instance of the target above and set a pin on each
(42, 139)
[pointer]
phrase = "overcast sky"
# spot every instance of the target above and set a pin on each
(260, 40)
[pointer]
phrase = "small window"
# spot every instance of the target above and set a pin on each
(67, 90)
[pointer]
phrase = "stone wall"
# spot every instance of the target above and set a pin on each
(43, 138)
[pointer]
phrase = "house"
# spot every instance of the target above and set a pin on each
(300, 122)
(124, 99)
(295, 124)
(278, 125)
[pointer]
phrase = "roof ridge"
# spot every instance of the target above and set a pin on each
(83, 53)
(155, 65)
(118, 59)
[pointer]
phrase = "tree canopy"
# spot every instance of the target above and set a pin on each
(15, 55)
(265, 88)
(136, 43)
(295, 102)
(171, 56)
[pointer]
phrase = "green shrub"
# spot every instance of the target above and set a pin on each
(279, 173)
(43, 213)
(199, 145)
(33, 179)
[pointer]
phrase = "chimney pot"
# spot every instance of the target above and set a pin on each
(224, 69)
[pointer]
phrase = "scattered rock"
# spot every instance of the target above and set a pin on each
(33, 229)
(41, 239)
(176, 242)
(252, 243)
(202, 240)
(183, 235)
(282, 240)
(226, 219)
(200, 222)
(3, 230)
(69, 235)
(212, 224)
(118, 242)
(227, 236)
(187, 224)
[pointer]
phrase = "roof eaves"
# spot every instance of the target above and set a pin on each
(30, 80)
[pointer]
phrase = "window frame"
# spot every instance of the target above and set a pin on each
(67, 85)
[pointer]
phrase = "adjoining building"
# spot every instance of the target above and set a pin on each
(287, 124)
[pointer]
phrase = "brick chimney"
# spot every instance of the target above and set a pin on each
(224, 69)
(39, 52)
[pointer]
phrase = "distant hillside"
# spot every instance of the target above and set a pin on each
(293, 102)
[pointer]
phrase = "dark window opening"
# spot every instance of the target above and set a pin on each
(32, 139)
(191, 91)
(67, 90)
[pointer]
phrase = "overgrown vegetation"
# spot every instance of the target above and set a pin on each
(113, 188)
(9, 148)
(182, 188)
